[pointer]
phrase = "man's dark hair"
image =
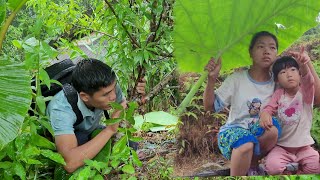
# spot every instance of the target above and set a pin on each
(90, 75)
(283, 63)
(256, 36)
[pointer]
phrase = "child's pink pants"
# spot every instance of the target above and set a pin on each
(279, 157)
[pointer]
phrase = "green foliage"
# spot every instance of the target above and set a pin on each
(316, 126)
(140, 41)
(29, 155)
(160, 168)
(3, 11)
(309, 38)
(137, 39)
(15, 98)
(313, 31)
(15, 80)
(316, 65)
(119, 157)
(15, 6)
(224, 28)
(136, 36)
(155, 121)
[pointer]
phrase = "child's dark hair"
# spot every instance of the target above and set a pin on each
(256, 36)
(283, 63)
(90, 75)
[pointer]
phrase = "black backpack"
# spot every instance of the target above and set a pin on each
(62, 72)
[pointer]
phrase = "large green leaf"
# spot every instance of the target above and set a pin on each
(211, 28)
(161, 119)
(3, 11)
(15, 98)
(13, 4)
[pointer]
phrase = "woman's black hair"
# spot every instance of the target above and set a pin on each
(283, 63)
(90, 75)
(256, 36)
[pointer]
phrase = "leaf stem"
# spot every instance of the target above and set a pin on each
(192, 92)
(194, 89)
(9, 20)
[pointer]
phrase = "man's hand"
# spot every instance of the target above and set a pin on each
(124, 104)
(213, 67)
(113, 128)
(265, 120)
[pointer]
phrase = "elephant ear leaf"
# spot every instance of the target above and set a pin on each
(15, 98)
(224, 28)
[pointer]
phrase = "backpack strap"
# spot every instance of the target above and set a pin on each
(106, 114)
(72, 97)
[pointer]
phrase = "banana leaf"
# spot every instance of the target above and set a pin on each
(15, 99)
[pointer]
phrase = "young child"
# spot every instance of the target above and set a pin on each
(293, 103)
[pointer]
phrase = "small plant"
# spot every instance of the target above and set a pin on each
(30, 155)
(315, 127)
(316, 65)
(160, 168)
(117, 158)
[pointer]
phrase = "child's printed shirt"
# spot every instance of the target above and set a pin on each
(295, 113)
(245, 96)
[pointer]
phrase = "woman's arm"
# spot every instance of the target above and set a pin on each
(208, 96)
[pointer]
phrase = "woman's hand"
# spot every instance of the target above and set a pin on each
(213, 67)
